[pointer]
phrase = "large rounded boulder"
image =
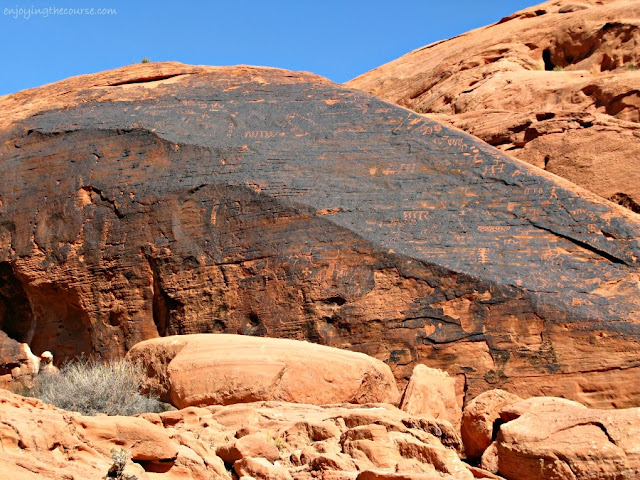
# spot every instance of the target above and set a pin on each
(547, 438)
(219, 369)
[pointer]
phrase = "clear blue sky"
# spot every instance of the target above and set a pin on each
(336, 39)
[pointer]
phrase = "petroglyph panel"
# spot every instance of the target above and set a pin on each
(266, 202)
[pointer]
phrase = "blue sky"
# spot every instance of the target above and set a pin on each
(336, 39)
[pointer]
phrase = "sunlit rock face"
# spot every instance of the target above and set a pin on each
(555, 85)
(163, 199)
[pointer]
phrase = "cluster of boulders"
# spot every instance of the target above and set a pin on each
(549, 438)
(18, 364)
(278, 409)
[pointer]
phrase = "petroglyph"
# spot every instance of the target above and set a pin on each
(246, 200)
(494, 228)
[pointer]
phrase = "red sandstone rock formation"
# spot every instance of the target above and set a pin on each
(43, 442)
(552, 438)
(540, 438)
(200, 370)
(432, 392)
(266, 439)
(18, 363)
(163, 199)
(556, 85)
(481, 419)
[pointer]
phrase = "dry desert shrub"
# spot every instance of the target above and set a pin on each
(120, 458)
(92, 387)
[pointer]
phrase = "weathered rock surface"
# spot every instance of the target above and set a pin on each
(248, 446)
(264, 440)
(481, 420)
(542, 438)
(18, 364)
(16, 359)
(164, 199)
(41, 441)
(219, 369)
(553, 438)
(556, 85)
(432, 392)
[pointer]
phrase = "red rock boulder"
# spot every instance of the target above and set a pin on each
(481, 419)
(432, 392)
(44, 442)
(221, 369)
(556, 439)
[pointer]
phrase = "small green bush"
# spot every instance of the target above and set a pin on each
(145, 60)
(92, 387)
(558, 68)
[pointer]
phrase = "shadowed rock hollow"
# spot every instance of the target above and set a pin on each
(165, 199)
(556, 85)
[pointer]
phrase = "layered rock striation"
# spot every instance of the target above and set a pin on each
(556, 85)
(164, 199)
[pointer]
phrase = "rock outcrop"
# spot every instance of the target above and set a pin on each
(556, 85)
(265, 440)
(201, 370)
(542, 438)
(41, 441)
(432, 392)
(553, 438)
(164, 199)
(17, 363)
(481, 420)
